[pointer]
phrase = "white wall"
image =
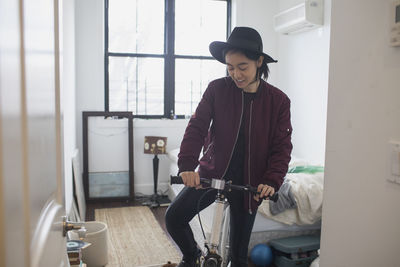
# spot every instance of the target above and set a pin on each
(174, 130)
(68, 94)
(89, 27)
(258, 15)
(303, 75)
(361, 215)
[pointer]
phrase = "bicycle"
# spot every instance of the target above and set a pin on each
(213, 257)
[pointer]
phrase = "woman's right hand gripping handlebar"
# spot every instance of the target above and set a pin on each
(191, 179)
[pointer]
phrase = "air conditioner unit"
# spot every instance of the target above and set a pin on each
(303, 17)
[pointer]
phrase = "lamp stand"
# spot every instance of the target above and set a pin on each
(155, 173)
(154, 199)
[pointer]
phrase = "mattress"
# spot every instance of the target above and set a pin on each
(263, 223)
(266, 229)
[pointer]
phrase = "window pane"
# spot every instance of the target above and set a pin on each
(136, 26)
(197, 24)
(137, 85)
(191, 79)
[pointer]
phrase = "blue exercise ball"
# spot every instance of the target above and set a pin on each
(261, 255)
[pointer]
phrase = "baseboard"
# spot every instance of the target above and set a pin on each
(148, 189)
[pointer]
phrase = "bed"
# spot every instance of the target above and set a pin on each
(285, 220)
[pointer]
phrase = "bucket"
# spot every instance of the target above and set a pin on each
(96, 255)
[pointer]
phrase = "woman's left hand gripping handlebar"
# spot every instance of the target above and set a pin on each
(264, 191)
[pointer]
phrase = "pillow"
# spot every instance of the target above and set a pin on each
(173, 155)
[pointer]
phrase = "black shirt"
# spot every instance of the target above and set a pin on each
(236, 165)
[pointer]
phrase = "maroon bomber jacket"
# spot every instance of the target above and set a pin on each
(267, 136)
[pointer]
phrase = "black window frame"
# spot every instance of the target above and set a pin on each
(169, 57)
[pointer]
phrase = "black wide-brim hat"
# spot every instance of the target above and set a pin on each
(243, 38)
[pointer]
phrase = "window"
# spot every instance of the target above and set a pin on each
(157, 62)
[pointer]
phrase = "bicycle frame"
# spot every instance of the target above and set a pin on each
(216, 255)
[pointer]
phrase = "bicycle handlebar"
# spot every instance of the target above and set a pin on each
(225, 185)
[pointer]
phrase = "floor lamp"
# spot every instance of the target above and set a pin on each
(155, 145)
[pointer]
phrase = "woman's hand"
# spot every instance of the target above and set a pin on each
(191, 179)
(265, 191)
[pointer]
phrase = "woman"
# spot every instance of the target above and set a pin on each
(249, 142)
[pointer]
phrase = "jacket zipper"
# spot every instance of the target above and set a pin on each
(248, 160)
(208, 148)
(237, 135)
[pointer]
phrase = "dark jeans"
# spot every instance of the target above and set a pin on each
(184, 208)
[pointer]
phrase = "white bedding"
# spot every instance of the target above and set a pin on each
(307, 190)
